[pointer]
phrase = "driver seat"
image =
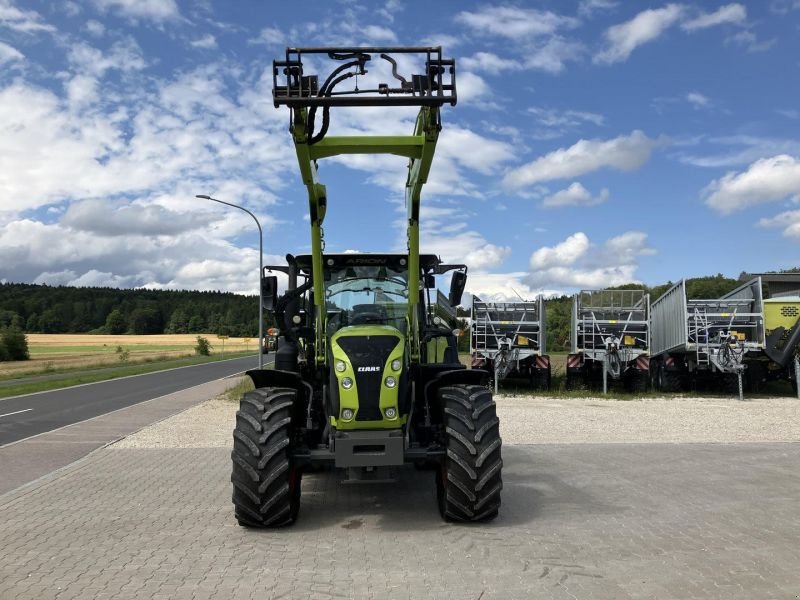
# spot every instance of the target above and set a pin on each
(366, 313)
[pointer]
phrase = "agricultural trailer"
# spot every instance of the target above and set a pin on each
(610, 339)
(697, 340)
(782, 327)
(367, 378)
(509, 339)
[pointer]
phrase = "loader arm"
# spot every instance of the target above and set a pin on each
(304, 96)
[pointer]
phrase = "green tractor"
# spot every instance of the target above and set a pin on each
(367, 377)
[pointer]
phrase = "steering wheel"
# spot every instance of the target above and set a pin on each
(364, 318)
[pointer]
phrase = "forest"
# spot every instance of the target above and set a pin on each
(59, 309)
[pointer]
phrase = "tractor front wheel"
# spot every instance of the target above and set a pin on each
(266, 483)
(469, 480)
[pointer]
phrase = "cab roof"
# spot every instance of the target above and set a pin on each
(428, 262)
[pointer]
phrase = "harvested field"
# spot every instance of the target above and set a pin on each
(52, 352)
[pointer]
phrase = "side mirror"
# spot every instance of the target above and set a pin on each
(430, 281)
(269, 291)
(457, 284)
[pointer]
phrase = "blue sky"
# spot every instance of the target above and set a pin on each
(594, 142)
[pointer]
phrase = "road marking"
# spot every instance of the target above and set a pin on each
(36, 435)
(214, 362)
(16, 412)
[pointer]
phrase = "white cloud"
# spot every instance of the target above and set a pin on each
(155, 10)
(645, 27)
(575, 195)
(123, 56)
(513, 22)
(271, 37)
(504, 287)
(207, 42)
(113, 218)
(766, 180)
(788, 220)
(587, 8)
(564, 120)
(576, 263)
(95, 28)
(744, 149)
(488, 61)
(625, 153)
(25, 21)
(379, 34)
(472, 88)
(698, 100)
(728, 14)
(750, 40)
(9, 53)
(553, 55)
(444, 231)
(550, 56)
(564, 254)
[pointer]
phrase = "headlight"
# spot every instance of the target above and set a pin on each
(340, 366)
(390, 381)
(347, 383)
(396, 364)
(391, 413)
(347, 414)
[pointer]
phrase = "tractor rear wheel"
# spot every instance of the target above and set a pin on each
(266, 483)
(469, 480)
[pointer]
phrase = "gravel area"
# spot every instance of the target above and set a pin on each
(548, 420)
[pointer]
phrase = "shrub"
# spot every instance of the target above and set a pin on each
(124, 353)
(203, 347)
(15, 344)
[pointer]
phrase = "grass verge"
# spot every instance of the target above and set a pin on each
(71, 378)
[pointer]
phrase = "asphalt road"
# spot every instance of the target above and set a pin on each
(24, 416)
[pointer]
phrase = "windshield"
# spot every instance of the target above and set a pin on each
(366, 295)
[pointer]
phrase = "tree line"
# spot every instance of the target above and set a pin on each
(59, 309)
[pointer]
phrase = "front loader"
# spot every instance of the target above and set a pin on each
(367, 375)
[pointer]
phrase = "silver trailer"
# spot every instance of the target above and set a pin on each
(509, 340)
(610, 339)
(700, 338)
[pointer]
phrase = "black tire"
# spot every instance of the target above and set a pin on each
(637, 381)
(668, 381)
(266, 483)
(576, 381)
(755, 378)
(469, 480)
(539, 379)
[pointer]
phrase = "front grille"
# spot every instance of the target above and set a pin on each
(368, 351)
(790, 311)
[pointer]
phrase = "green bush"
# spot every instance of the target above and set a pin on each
(14, 344)
(203, 347)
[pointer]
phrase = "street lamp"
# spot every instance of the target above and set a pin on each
(260, 273)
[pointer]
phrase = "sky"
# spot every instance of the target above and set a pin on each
(594, 143)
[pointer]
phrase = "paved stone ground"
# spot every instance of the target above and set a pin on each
(578, 521)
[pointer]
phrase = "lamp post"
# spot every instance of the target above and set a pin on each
(260, 273)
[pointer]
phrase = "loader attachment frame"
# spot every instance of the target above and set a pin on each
(303, 94)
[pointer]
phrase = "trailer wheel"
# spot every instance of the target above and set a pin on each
(576, 381)
(637, 381)
(540, 379)
(469, 481)
(266, 483)
(667, 381)
(754, 377)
